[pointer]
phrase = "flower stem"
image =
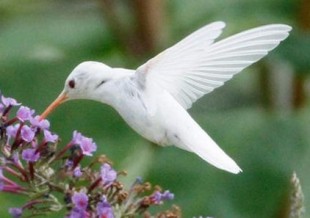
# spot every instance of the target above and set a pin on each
(41, 146)
(12, 172)
(94, 185)
(31, 203)
(63, 151)
(6, 111)
(8, 181)
(31, 170)
(13, 189)
(18, 140)
(77, 160)
(22, 171)
(11, 121)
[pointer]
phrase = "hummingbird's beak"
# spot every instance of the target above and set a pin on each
(60, 99)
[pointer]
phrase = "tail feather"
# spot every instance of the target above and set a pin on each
(183, 132)
(209, 151)
(196, 140)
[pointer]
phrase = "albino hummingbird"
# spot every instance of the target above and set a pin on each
(153, 99)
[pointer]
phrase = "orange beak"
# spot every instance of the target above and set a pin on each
(59, 100)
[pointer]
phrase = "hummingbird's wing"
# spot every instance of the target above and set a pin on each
(196, 66)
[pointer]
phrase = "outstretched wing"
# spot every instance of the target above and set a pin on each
(196, 66)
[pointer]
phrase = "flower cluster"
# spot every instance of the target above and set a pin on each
(54, 179)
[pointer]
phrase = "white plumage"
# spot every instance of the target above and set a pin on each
(154, 98)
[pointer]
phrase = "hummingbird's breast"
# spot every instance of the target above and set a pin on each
(139, 110)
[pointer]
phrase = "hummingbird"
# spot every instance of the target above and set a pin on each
(153, 99)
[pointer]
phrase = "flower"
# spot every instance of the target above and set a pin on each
(11, 131)
(9, 101)
(16, 212)
(68, 163)
(30, 155)
(27, 133)
(107, 174)
(49, 137)
(158, 197)
(76, 213)
(80, 200)
(167, 195)
(87, 146)
(104, 209)
(77, 137)
(77, 172)
(42, 124)
(35, 164)
(24, 113)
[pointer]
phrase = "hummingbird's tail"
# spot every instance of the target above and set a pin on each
(193, 138)
(209, 151)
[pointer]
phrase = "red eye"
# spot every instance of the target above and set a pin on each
(71, 84)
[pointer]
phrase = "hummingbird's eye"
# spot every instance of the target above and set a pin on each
(71, 84)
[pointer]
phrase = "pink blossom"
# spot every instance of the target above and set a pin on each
(24, 113)
(87, 146)
(30, 155)
(42, 124)
(9, 101)
(80, 200)
(49, 137)
(27, 134)
(108, 174)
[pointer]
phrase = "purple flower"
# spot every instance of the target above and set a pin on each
(49, 137)
(104, 209)
(107, 174)
(80, 200)
(158, 197)
(42, 124)
(167, 195)
(11, 131)
(77, 137)
(30, 155)
(68, 163)
(24, 113)
(77, 213)
(87, 146)
(16, 212)
(77, 172)
(9, 101)
(27, 133)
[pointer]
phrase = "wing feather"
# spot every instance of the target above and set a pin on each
(196, 65)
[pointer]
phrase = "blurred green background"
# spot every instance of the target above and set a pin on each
(260, 118)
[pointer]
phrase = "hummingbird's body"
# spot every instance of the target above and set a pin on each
(153, 99)
(158, 117)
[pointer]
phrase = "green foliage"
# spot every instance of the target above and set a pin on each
(41, 41)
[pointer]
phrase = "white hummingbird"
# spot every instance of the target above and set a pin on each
(153, 98)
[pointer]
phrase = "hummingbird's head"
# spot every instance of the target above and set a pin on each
(85, 78)
(82, 83)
